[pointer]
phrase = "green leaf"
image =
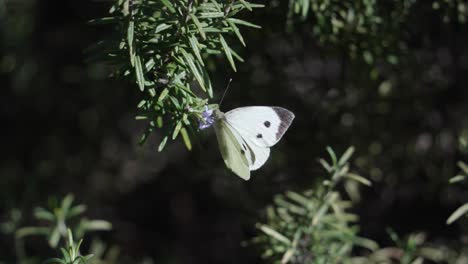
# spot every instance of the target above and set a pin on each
(96, 225)
(457, 178)
(29, 231)
(227, 51)
(243, 22)
(305, 9)
(152, 92)
(66, 205)
(332, 155)
(288, 255)
(103, 21)
(139, 73)
(358, 178)
(76, 210)
(463, 166)
(236, 56)
(199, 26)
(66, 256)
(237, 32)
(195, 47)
(246, 4)
(207, 80)
(163, 94)
(141, 104)
(274, 234)
(325, 165)
(189, 59)
(161, 27)
(162, 144)
(54, 237)
(323, 209)
(186, 138)
(345, 157)
(237, 6)
(70, 237)
(177, 130)
(144, 137)
(130, 34)
(366, 243)
(159, 121)
(42, 214)
(175, 102)
(462, 210)
(169, 5)
(299, 199)
(211, 15)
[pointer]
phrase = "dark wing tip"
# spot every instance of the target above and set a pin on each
(286, 118)
(284, 114)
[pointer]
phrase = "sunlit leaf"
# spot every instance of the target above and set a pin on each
(273, 233)
(461, 211)
(139, 73)
(186, 138)
(227, 51)
(169, 5)
(345, 157)
(189, 59)
(358, 178)
(162, 144)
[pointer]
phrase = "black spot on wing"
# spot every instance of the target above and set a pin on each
(259, 135)
(286, 117)
(267, 123)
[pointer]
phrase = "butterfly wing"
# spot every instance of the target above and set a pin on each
(231, 148)
(256, 156)
(260, 155)
(262, 125)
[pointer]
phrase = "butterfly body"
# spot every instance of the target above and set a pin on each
(246, 134)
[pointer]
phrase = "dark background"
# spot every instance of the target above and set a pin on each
(68, 128)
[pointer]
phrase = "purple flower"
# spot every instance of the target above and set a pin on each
(207, 118)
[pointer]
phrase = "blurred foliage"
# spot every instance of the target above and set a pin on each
(367, 29)
(451, 10)
(463, 209)
(61, 225)
(57, 225)
(313, 226)
(70, 254)
(164, 46)
(57, 220)
(378, 33)
(413, 249)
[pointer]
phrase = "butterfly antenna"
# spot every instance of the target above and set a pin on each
(225, 91)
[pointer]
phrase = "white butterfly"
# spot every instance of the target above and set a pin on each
(246, 134)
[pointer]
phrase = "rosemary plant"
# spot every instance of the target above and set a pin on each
(58, 224)
(314, 226)
(165, 47)
(375, 32)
